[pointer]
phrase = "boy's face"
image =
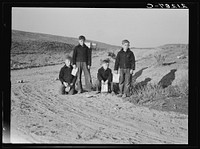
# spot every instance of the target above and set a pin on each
(67, 62)
(105, 65)
(125, 46)
(81, 42)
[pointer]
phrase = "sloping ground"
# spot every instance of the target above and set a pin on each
(147, 67)
(156, 72)
(40, 115)
(30, 53)
(149, 72)
(35, 49)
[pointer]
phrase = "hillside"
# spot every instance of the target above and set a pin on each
(170, 71)
(36, 49)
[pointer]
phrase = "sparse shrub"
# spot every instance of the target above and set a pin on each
(112, 54)
(154, 92)
(173, 91)
(182, 56)
(148, 93)
(160, 59)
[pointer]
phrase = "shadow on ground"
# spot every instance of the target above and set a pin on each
(167, 79)
(167, 64)
(138, 74)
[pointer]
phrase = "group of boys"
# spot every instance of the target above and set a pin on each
(81, 60)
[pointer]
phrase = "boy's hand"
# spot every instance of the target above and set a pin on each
(71, 84)
(88, 66)
(131, 71)
(115, 71)
(65, 84)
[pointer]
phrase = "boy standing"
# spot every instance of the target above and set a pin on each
(82, 60)
(125, 60)
(104, 76)
(66, 78)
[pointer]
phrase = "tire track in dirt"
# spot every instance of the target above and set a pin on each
(46, 117)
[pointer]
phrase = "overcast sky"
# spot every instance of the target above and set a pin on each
(142, 27)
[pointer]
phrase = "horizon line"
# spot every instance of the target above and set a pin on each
(100, 41)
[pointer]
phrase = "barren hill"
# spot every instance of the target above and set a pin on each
(36, 49)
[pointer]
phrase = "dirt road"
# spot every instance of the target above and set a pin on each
(40, 115)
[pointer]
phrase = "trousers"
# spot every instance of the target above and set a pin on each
(124, 81)
(82, 67)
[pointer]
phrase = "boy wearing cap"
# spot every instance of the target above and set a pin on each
(104, 76)
(125, 61)
(82, 60)
(66, 78)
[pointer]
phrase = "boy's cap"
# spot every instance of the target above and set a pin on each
(81, 37)
(125, 41)
(68, 57)
(106, 60)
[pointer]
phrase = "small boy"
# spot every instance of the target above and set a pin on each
(82, 60)
(104, 76)
(66, 78)
(125, 60)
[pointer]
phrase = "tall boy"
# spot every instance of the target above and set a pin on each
(125, 61)
(82, 60)
(66, 78)
(104, 75)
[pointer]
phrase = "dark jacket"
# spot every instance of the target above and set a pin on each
(125, 60)
(81, 54)
(66, 76)
(104, 74)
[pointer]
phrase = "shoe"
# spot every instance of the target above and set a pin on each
(113, 93)
(119, 95)
(79, 92)
(98, 92)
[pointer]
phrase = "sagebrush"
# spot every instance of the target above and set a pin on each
(153, 92)
(160, 59)
(112, 54)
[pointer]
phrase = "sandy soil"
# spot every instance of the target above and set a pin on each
(40, 115)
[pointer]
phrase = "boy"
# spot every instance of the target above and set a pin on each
(125, 60)
(66, 78)
(82, 60)
(104, 76)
